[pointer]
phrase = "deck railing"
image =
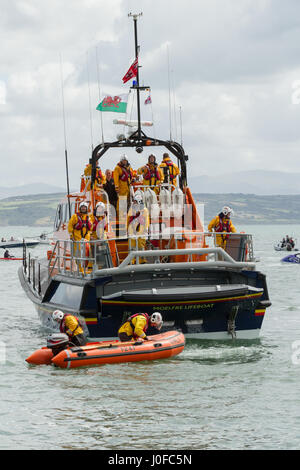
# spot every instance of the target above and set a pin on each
(85, 258)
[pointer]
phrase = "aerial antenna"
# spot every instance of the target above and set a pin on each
(135, 17)
(180, 117)
(65, 134)
(99, 90)
(90, 104)
(174, 105)
(169, 85)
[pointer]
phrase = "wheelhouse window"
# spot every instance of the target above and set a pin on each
(67, 294)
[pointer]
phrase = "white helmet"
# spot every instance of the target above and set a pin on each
(100, 208)
(57, 315)
(156, 320)
(137, 202)
(227, 211)
(124, 157)
(84, 204)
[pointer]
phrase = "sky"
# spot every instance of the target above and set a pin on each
(229, 71)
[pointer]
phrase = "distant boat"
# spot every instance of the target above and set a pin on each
(285, 247)
(18, 243)
(292, 258)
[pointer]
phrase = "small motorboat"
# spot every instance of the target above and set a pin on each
(57, 352)
(292, 258)
(18, 242)
(11, 258)
(287, 247)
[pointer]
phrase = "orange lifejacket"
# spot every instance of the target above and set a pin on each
(126, 174)
(137, 315)
(151, 173)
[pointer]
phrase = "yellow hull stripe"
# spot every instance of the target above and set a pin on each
(121, 302)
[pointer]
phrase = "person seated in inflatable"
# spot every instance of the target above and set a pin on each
(136, 326)
(7, 254)
(152, 174)
(222, 223)
(138, 225)
(170, 170)
(71, 326)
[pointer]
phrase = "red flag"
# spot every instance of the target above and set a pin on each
(132, 71)
(148, 100)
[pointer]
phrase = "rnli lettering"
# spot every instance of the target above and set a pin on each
(182, 307)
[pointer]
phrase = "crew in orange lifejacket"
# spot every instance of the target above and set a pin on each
(222, 223)
(122, 179)
(100, 178)
(78, 226)
(98, 223)
(136, 326)
(70, 325)
(152, 174)
(169, 169)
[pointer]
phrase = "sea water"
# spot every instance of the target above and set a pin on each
(228, 395)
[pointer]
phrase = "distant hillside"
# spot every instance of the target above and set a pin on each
(29, 189)
(257, 182)
(34, 210)
(253, 209)
(39, 210)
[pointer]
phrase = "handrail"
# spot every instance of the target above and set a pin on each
(180, 251)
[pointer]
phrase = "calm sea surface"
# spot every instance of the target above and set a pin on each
(229, 395)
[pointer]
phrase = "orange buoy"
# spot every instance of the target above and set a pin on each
(159, 346)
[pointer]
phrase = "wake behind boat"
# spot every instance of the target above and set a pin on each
(151, 255)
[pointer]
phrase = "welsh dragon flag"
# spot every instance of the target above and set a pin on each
(114, 104)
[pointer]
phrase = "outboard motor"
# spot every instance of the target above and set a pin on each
(57, 342)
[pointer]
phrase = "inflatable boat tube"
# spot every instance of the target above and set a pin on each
(159, 346)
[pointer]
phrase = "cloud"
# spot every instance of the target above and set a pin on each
(232, 69)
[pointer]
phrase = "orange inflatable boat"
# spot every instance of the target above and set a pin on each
(159, 346)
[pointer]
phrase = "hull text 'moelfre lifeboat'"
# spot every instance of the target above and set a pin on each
(159, 346)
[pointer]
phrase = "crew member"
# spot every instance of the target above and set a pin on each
(136, 326)
(152, 174)
(98, 223)
(169, 169)
(78, 226)
(137, 225)
(122, 179)
(100, 179)
(110, 189)
(222, 223)
(70, 325)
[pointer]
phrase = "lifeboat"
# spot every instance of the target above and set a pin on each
(161, 346)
